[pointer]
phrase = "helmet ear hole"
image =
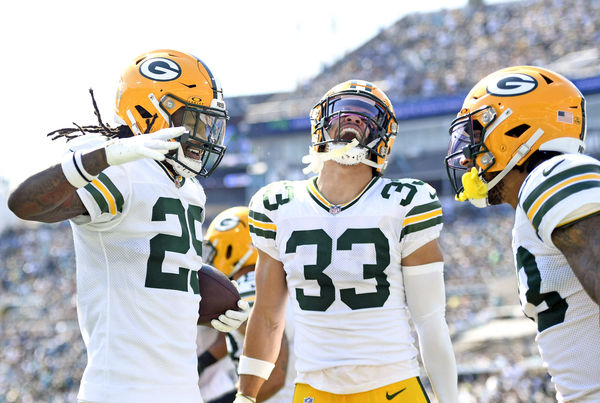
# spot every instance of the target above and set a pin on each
(143, 112)
(518, 130)
(229, 251)
(547, 79)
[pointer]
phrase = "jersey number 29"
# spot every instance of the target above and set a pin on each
(161, 243)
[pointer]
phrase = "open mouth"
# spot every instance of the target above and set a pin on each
(192, 152)
(349, 133)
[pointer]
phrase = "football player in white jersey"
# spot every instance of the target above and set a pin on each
(519, 140)
(358, 256)
(136, 209)
(229, 248)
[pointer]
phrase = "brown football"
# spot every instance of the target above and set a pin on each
(218, 294)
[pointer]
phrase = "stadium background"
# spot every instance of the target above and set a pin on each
(426, 62)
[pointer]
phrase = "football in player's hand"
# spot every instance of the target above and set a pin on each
(218, 294)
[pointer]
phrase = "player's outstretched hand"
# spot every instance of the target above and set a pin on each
(232, 319)
(151, 145)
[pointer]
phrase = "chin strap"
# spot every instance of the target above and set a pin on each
(134, 127)
(521, 152)
(240, 263)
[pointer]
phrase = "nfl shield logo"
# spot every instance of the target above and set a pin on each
(334, 209)
(308, 400)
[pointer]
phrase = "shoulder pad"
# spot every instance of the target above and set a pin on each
(273, 196)
(409, 191)
(555, 180)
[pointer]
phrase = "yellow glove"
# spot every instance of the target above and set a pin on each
(474, 187)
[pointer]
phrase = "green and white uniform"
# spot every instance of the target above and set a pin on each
(138, 252)
(558, 192)
(343, 271)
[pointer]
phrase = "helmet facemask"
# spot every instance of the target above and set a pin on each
(201, 147)
(349, 117)
(350, 129)
(467, 147)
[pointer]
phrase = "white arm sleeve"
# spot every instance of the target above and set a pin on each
(426, 300)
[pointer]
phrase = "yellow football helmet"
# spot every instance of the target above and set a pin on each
(362, 100)
(227, 242)
(509, 115)
(160, 85)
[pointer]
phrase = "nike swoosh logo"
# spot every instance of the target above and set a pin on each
(390, 397)
(547, 171)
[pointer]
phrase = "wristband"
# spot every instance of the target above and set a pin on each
(74, 172)
(79, 165)
(245, 398)
(252, 366)
(206, 359)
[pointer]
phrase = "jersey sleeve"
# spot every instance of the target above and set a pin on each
(261, 222)
(562, 190)
(422, 222)
(104, 198)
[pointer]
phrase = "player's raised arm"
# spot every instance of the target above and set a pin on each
(50, 195)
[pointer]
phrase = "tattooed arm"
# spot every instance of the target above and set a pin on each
(49, 197)
(580, 243)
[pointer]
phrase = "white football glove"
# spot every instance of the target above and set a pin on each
(151, 145)
(232, 319)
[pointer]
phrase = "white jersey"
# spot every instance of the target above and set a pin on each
(343, 267)
(557, 192)
(138, 252)
(219, 378)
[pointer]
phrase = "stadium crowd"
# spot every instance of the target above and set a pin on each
(42, 355)
(427, 54)
(424, 55)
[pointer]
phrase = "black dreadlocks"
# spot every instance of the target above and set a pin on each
(110, 132)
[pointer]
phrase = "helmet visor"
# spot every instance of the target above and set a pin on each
(205, 140)
(460, 145)
(203, 143)
(358, 105)
(203, 126)
(370, 114)
(467, 136)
